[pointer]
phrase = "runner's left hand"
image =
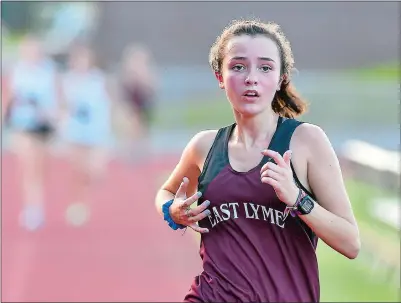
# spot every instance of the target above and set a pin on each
(279, 175)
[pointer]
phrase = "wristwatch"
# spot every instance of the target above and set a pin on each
(305, 205)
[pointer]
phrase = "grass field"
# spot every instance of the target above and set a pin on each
(387, 71)
(344, 280)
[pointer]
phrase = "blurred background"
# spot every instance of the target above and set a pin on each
(100, 98)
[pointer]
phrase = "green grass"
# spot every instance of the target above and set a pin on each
(217, 113)
(195, 114)
(361, 194)
(352, 280)
(387, 71)
(344, 280)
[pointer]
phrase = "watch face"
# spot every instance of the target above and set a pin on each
(306, 205)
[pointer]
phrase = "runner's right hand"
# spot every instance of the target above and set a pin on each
(180, 210)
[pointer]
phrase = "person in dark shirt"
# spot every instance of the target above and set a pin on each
(137, 87)
(267, 186)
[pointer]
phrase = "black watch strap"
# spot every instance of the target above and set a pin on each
(305, 206)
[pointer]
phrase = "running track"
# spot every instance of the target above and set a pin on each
(125, 253)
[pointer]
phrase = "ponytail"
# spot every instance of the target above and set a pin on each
(287, 102)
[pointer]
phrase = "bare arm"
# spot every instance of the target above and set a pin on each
(188, 167)
(332, 219)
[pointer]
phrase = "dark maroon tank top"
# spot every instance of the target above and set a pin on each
(251, 254)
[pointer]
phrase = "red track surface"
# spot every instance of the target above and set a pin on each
(125, 253)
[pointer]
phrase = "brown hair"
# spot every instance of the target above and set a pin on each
(286, 102)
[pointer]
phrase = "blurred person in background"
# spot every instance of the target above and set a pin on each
(137, 88)
(32, 109)
(86, 128)
(267, 186)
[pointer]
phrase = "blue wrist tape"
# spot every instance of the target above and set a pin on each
(167, 217)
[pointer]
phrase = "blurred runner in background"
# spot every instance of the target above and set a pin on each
(137, 88)
(31, 111)
(87, 128)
